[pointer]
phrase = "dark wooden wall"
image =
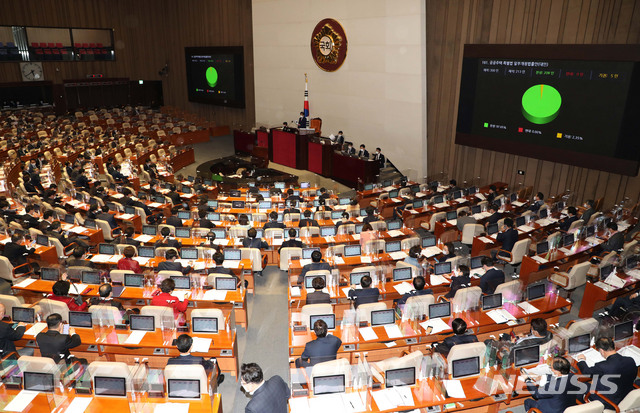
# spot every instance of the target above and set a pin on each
(147, 34)
(452, 23)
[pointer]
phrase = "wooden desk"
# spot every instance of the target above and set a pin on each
(596, 297)
(352, 170)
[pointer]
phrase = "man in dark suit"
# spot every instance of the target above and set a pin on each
(53, 343)
(350, 149)
(538, 201)
(292, 198)
(495, 215)
(292, 242)
(173, 219)
(493, 192)
(171, 265)
(106, 216)
(167, 240)
(174, 196)
(106, 298)
(615, 375)
(128, 239)
(538, 335)
(77, 258)
(588, 212)
(616, 239)
(418, 289)
(268, 396)
(459, 336)
(8, 335)
(508, 235)
(460, 279)
(273, 221)
(15, 252)
(307, 221)
(184, 342)
(29, 218)
(203, 222)
(339, 139)
(28, 186)
(316, 265)
(318, 296)
(302, 121)
(366, 294)
(252, 242)
(324, 348)
(363, 153)
(492, 276)
(378, 156)
(371, 215)
(82, 181)
(573, 217)
(558, 393)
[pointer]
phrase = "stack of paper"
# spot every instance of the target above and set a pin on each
(436, 324)
(101, 258)
(35, 329)
(528, 308)
(634, 274)
(438, 280)
(198, 265)
(298, 405)
(329, 239)
(231, 264)
(393, 331)
(486, 240)
(365, 259)
(77, 288)
(393, 397)
(135, 337)
(431, 251)
(441, 205)
(396, 200)
(338, 260)
(154, 205)
(539, 370)
(594, 240)
(539, 259)
(368, 334)
(591, 355)
(565, 251)
(181, 294)
(215, 295)
(21, 401)
(480, 196)
(398, 255)
(517, 203)
(201, 345)
(143, 238)
(500, 315)
(631, 351)
(525, 228)
(143, 261)
(295, 291)
(395, 233)
(615, 281)
(454, 389)
(605, 286)
(461, 200)
(126, 216)
(403, 288)
(356, 237)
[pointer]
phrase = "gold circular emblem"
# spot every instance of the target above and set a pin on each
(329, 45)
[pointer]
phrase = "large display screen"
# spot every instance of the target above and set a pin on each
(215, 75)
(573, 104)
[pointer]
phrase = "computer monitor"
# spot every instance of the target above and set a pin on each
(306, 253)
(160, 199)
(221, 233)
(183, 388)
(106, 249)
(41, 382)
(109, 386)
(237, 204)
(90, 277)
(181, 282)
(394, 225)
(591, 231)
(212, 204)
(527, 355)
(49, 274)
(465, 367)
(328, 231)
(330, 319)
(204, 324)
(368, 187)
(472, 190)
(344, 201)
(579, 343)
(23, 315)
(207, 182)
(80, 319)
(278, 185)
(402, 274)
(476, 209)
(400, 377)
(232, 254)
(42, 240)
(440, 310)
(520, 221)
(536, 291)
(382, 317)
(451, 215)
(189, 253)
(418, 203)
(623, 331)
(392, 246)
(441, 268)
(264, 204)
(336, 214)
(359, 228)
(226, 283)
(513, 197)
(438, 199)
(328, 384)
(492, 228)
(363, 212)
(356, 277)
(69, 219)
(184, 214)
(415, 188)
(427, 242)
(182, 232)
(456, 195)
(213, 216)
(308, 280)
(146, 251)
(542, 247)
(134, 280)
(387, 182)
(151, 230)
(234, 193)
(491, 301)
(393, 193)
(568, 239)
(142, 322)
(129, 210)
(605, 271)
(476, 262)
(543, 213)
(352, 250)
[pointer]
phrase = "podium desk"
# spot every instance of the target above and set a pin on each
(321, 156)
(351, 170)
(243, 141)
(288, 149)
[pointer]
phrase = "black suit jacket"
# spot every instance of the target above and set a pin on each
(490, 280)
(274, 224)
(549, 400)
(174, 197)
(205, 223)
(53, 344)
(564, 225)
(586, 215)
(308, 222)
(254, 243)
(318, 297)
(174, 220)
(614, 243)
(131, 241)
(173, 266)
(102, 301)
(271, 397)
(351, 151)
(364, 296)
(457, 283)
(291, 243)
(449, 342)
(321, 350)
(168, 243)
(508, 238)
(363, 153)
(493, 219)
(314, 266)
(8, 335)
(189, 359)
(380, 158)
(621, 372)
(16, 253)
(105, 216)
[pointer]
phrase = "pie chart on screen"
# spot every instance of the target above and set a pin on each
(541, 104)
(212, 76)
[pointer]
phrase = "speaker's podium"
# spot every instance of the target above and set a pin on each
(288, 148)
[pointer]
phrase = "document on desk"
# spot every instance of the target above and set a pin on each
(386, 399)
(517, 203)
(631, 351)
(539, 370)
(329, 239)
(326, 403)
(135, 337)
(436, 324)
(142, 260)
(77, 230)
(486, 240)
(539, 259)
(353, 402)
(594, 240)
(441, 205)
(403, 288)
(565, 251)
(222, 242)
(35, 329)
(126, 216)
(634, 274)
(500, 315)
(299, 404)
(77, 288)
(201, 345)
(395, 233)
(605, 286)
(336, 261)
(21, 401)
(198, 265)
(396, 200)
(25, 283)
(235, 264)
(365, 259)
(368, 334)
(79, 405)
(215, 295)
(614, 280)
(295, 291)
(155, 205)
(431, 251)
(525, 228)
(398, 255)
(437, 279)
(452, 221)
(143, 238)
(592, 356)
(480, 196)
(454, 389)
(393, 331)
(356, 237)
(171, 408)
(528, 308)
(181, 294)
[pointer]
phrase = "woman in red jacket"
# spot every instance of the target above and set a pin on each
(61, 293)
(165, 299)
(128, 263)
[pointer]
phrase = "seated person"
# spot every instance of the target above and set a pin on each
(291, 208)
(366, 294)
(344, 220)
(173, 219)
(616, 239)
(448, 251)
(614, 376)
(572, 217)
(77, 258)
(218, 258)
(170, 263)
(128, 239)
(165, 299)
(252, 242)
(107, 217)
(418, 289)
(589, 210)
(17, 253)
(459, 336)
(8, 335)
(371, 216)
(184, 342)
(495, 216)
(547, 398)
(316, 265)
(414, 258)
(273, 221)
(307, 221)
(624, 305)
(464, 219)
(539, 334)
(55, 231)
(459, 279)
(291, 197)
(367, 234)
(292, 242)
(61, 293)
(318, 296)
(127, 262)
(54, 344)
(106, 298)
(167, 240)
(492, 276)
(324, 348)
(203, 222)
(538, 201)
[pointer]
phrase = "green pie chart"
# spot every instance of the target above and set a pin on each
(212, 76)
(541, 104)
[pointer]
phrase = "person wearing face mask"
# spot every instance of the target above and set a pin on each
(460, 279)
(350, 149)
(270, 395)
(557, 393)
(378, 156)
(588, 212)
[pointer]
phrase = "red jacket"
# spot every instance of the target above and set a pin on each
(168, 300)
(129, 264)
(70, 302)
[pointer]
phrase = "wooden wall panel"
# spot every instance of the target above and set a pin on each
(453, 23)
(147, 34)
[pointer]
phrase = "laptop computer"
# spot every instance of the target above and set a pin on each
(204, 324)
(402, 274)
(465, 367)
(400, 377)
(439, 310)
(109, 386)
(491, 301)
(383, 317)
(525, 356)
(330, 319)
(183, 388)
(579, 343)
(328, 384)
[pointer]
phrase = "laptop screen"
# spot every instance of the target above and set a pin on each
(536, 291)
(306, 253)
(491, 301)
(359, 228)
(149, 230)
(183, 232)
(472, 190)
(543, 213)
(476, 209)
(80, 319)
(129, 210)
(451, 215)
(456, 195)
(567, 239)
(392, 246)
(38, 381)
(42, 240)
(133, 280)
(278, 185)
(465, 367)
(418, 203)
(382, 317)
(368, 187)
(89, 223)
(237, 204)
(106, 249)
(146, 252)
(632, 262)
(440, 310)
(437, 199)
(328, 384)
(226, 283)
(605, 271)
(492, 229)
(189, 253)
(623, 331)
(308, 280)
(579, 343)
(220, 233)
(142, 322)
(183, 388)
(527, 355)
(213, 216)
(90, 277)
(336, 214)
(69, 219)
(204, 324)
(402, 274)
(542, 247)
(394, 225)
(184, 214)
(442, 268)
(400, 377)
(182, 283)
(356, 277)
(352, 250)
(393, 193)
(330, 319)
(232, 254)
(234, 193)
(264, 204)
(23, 315)
(329, 231)
(476, 262)
(344, 201)
(50, 274)
(109, 386)
(428, 242)
(212, 204)
(520, 221)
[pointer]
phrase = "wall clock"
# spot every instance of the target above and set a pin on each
(31, 71)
